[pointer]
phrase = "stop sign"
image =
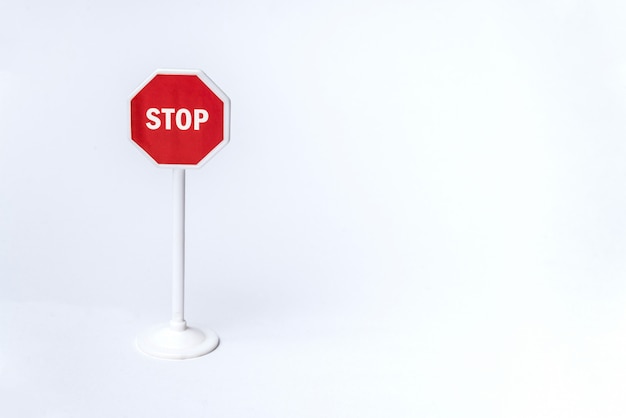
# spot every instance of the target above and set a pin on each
(179, 117)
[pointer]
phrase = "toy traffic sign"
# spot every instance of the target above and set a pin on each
(180, 119)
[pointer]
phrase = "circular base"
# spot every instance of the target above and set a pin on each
(166, 342)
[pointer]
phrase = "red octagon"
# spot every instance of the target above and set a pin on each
(179, 117)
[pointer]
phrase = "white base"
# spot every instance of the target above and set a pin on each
(167, 342)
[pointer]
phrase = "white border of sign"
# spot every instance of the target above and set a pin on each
(213, 87)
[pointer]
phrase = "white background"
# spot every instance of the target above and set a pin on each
(421, 212)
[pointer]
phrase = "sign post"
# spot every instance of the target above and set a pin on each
(180, 119)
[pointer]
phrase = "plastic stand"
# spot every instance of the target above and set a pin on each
(175, 340)
(165, 341)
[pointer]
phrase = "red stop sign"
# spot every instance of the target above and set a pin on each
(179, 117)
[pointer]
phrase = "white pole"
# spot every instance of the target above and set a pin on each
(175, 340)
(178, 278)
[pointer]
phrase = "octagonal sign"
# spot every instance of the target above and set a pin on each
(180, 118)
